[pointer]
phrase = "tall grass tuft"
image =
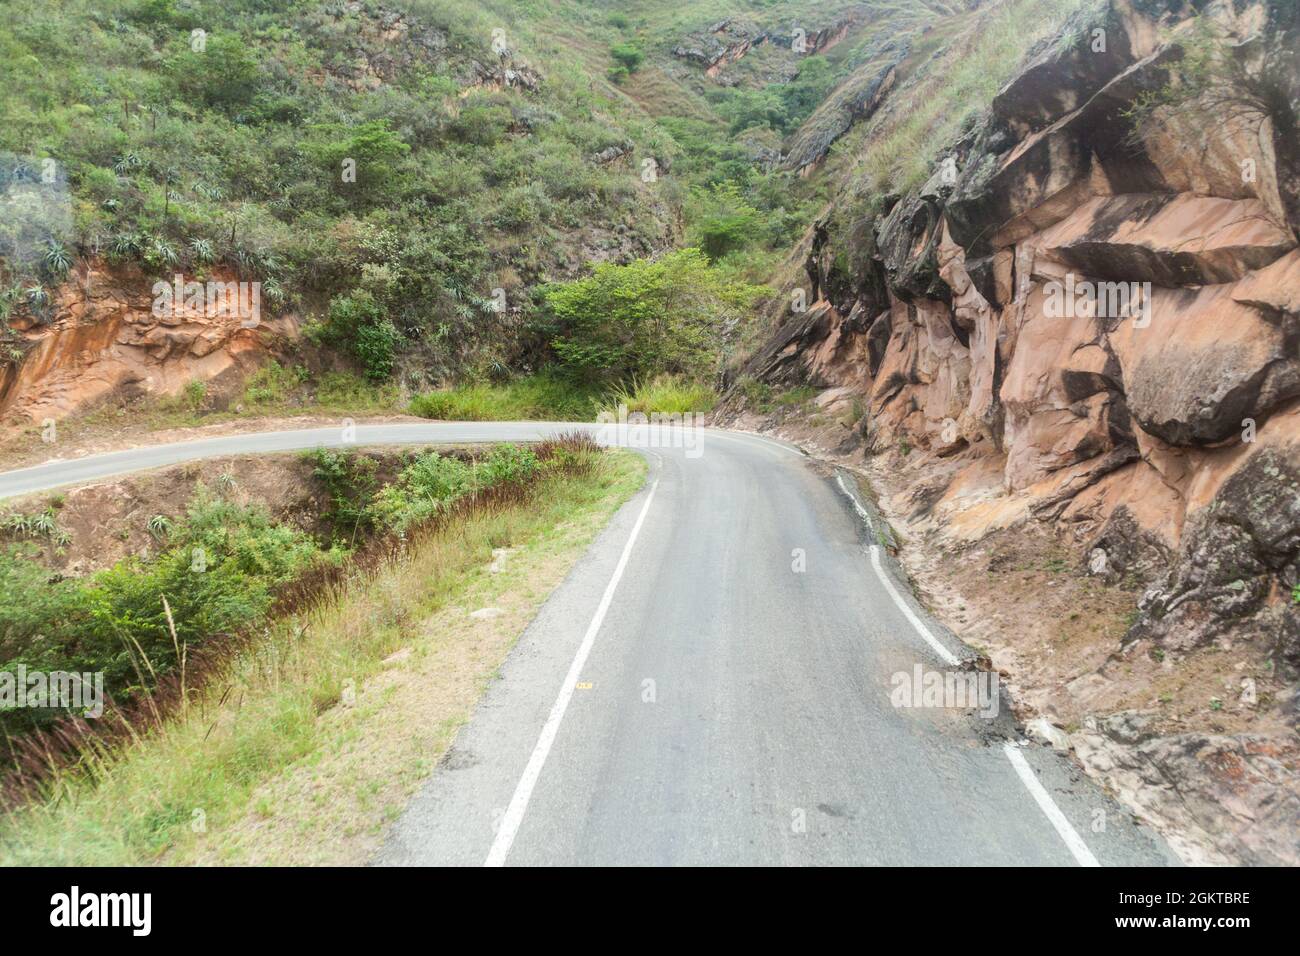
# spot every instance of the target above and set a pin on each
(669, 394)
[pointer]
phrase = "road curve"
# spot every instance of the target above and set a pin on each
(711, 684)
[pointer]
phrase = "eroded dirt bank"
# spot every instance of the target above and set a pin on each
(105, 335)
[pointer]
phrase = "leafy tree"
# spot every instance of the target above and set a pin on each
(225, 74)
(627, 55)
(750, 108)
(722, 220)
(361, 162)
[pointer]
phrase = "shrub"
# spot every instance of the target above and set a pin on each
(376, 347)
(630, 322)
(195, 393)
(218, 574)
(627, 55)
(423, 488)
(507, 463)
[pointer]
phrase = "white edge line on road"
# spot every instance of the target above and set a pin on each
(514, 815)
(943, 652)
(1073, 842)
(946, 655)
(857, 506)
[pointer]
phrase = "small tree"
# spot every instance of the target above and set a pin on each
(633, 321)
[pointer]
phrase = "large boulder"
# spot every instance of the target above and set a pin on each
(1204, 364)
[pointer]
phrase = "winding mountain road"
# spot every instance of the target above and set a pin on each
(711, 684)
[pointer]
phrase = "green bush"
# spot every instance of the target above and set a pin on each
(722, 220)
(630, 322)
(376, 347)
(423, 488)
(627, 55)
(350, 484)
(507, 463)
(218, 573)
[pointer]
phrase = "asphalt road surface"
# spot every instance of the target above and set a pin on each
(720, 680)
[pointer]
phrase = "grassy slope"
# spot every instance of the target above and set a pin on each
(320, 733)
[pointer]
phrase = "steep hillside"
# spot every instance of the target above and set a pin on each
(395, 181)
(1070, 300)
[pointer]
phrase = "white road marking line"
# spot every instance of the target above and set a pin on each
(514, 815)
(862, 512)
(1073, 842)
(945, 655)
(943, 652)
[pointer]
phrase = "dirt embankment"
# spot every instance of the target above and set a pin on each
(108, 334)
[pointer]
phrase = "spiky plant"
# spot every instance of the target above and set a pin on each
(162, 253)
(43, 522)
(126, 163)
(160, 526)
(202, 250)
(38, 300)
(123, 245)
(16, 523)
(57, 259)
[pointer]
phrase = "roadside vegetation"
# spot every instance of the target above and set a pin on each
(359, 675)
(217, 572)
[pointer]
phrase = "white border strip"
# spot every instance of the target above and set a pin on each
(1073, 842)
(514, 815)
(948, 656)
(857, 506)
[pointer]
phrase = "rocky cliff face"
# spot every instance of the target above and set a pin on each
(105, 335)
(1090, 315)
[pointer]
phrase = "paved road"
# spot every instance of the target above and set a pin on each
(712, 685)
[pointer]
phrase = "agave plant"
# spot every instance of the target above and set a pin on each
(160, 526)
(269, 264)
(274, 292)
(162, 253)
(38, 297)
(123, 245)
(16, 523)
(57, 259)
(43, 522)
(211, 192)
(126, 163)
(202, 250)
